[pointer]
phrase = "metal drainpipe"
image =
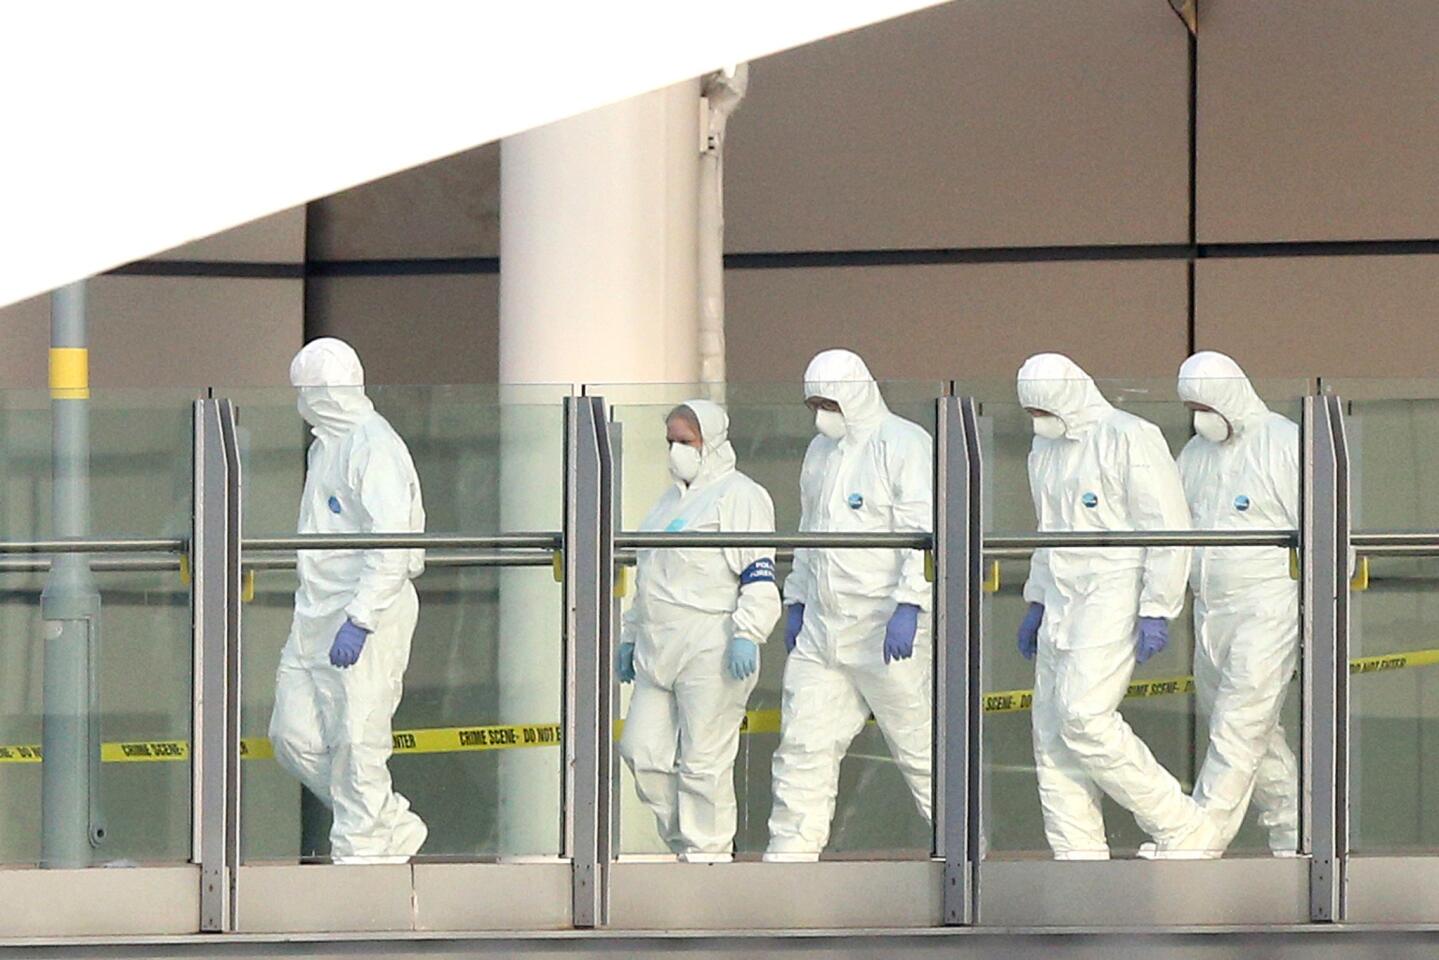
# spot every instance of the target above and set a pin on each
(69, 605)
(723, 92)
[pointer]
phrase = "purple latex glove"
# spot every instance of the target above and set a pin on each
(899, 633)
(792, 624)
(1153, 637)
(1029, 631)
(349, 641)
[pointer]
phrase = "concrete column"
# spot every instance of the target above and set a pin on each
(598, 284)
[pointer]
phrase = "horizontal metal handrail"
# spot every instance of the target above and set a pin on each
(822, 541)
(407, 541)
(1396, 543)
(97, 545)
(433, 559)
(103, 565)
(1016, 545)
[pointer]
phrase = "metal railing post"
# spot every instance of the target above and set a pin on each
(1325, 544)
(214, 560)
(959, 525)
(589, 578)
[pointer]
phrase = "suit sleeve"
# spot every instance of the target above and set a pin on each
(1040, 580)
(1155, 498)
(386, 487)
(911, 473)
(799, 585)
(749, 510)
(1284, 473)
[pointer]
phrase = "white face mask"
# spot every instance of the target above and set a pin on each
(1049, 427)
(684, 462)
(1211, 426)
(313, 405)
(830, 423)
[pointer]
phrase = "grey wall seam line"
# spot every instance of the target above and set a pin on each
(423, 266)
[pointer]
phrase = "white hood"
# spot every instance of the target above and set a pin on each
(841, 376)
(1217, 382)
(1056, 384)
(331, 381)
(717, 457)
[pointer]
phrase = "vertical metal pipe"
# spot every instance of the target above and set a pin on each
(723, 92)
(70, 603)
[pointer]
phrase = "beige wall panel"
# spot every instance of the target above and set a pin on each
(279, 238)
(1318, 120)
(24, 340)
(414, 329)
(959, 321)
(1322, 316)
(449, 208)
(974, 124)
(167, 332)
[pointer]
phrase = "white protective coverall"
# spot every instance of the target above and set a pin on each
(682, 732)
(877, 478)
(331, 726)
(1246, 606)
(1110, 471)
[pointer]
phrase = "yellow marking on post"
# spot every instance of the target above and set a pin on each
(1360, 581)
(69, 373)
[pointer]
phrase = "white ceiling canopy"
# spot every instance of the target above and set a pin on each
(130, 128)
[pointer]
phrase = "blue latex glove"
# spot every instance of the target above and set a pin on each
(1029, 631)
(899, 635)
(349, 641)
(1153, 637)
(793, 621)
(625, 662)
(742, 657)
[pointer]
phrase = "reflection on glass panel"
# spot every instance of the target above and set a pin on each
(863, 805)
(140, 662)
(1394, 711)
(1122, 743)
(476, 753)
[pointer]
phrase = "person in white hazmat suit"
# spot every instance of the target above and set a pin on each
(1241, 472)
(341, 670)
(858, 621)
(1094, 612)
(690, 641)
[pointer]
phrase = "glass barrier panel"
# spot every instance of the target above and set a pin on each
(1393, 699)
(859, 808)
(137, 722)
(476, 764)
(1117, 740)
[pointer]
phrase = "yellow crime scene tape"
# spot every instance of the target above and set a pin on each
(526, 735)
